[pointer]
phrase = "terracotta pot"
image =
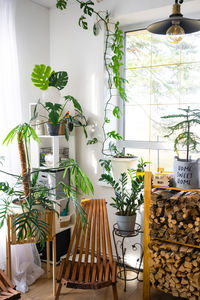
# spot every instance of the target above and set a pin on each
(62, 129)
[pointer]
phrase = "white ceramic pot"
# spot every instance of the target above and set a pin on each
(186, 173)
(126, 224)
(52, 94)
(120, 165)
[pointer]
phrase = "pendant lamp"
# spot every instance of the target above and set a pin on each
(176, 26)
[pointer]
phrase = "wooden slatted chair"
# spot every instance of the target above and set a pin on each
(7, 291)
(91, 265)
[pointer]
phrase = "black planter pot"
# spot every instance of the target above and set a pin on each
(52, 130)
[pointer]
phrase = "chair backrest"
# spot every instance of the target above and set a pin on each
(91, 242)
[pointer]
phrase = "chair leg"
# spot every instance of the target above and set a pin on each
(58, 291)
(115, 295)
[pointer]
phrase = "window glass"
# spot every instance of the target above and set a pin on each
(162, 77)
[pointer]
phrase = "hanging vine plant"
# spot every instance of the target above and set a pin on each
(114, 43)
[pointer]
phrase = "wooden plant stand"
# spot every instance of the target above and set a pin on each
(171, 241)
(7, 290)
(49, 218)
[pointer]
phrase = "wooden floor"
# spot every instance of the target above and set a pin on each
(42, 290)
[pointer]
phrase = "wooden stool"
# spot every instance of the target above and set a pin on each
(49, 218)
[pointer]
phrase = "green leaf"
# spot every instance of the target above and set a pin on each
(82, 23)
(92, 141)
(61, 4)
(40, 76)
(116, 112)
(59, 80)
(115, 135)
(53, 110)
(75, 102)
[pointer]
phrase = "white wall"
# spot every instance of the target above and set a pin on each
(81, 54)
(32, 33)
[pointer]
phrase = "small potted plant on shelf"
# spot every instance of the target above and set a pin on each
(32, 197)
(127, 200)
(186, 171)
(121, 162)
(59, 120)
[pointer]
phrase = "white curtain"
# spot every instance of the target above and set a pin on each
(25, 259)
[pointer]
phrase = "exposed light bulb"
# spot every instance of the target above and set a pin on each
(175, 34)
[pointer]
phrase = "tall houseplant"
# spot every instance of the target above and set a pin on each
(36, 197)
(186, 171)
(127, 198)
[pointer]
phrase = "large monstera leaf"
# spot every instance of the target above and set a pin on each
(59, 80)
(40, 76)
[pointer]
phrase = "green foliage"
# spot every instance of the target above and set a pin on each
(40, 76)
(92, 141)
(59, 80)
(82, 22)
(116, 112)
(54, 110)
(43, 77)
(115, 135)
(61, 4)
(74, 101)
(141, 165)
(126, 202)
(185, 137)
(87, 7)
(106, 164)
(116, 61)
(79, 182)
(113, 63)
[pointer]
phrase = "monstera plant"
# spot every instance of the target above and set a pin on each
(58, 119)
(44, 77)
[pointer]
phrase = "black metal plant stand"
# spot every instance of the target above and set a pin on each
(122, 273)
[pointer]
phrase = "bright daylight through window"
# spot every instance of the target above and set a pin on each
(162, 77)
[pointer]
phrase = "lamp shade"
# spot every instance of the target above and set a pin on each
(188, 25)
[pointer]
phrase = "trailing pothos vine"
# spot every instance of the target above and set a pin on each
(113, 43)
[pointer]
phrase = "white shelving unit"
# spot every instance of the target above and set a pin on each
(50, 177)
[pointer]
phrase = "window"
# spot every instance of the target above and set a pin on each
(161, 78)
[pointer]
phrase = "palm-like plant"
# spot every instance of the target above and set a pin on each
(23, 132)
(28, 223)
(185, 136)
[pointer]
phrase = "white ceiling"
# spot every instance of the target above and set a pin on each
(50, 3)
(46, 3)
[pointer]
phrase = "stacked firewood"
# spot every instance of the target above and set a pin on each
(175, 269)
(175, 216)
(7, 291)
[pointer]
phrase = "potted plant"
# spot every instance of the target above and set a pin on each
(127, 199)
(57, 117)
(59, 121)
(121, 162)
(34, 197)
(186, 171)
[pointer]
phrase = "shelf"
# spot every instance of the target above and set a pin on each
(176, 189)
(50, 136)
(176, 243)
